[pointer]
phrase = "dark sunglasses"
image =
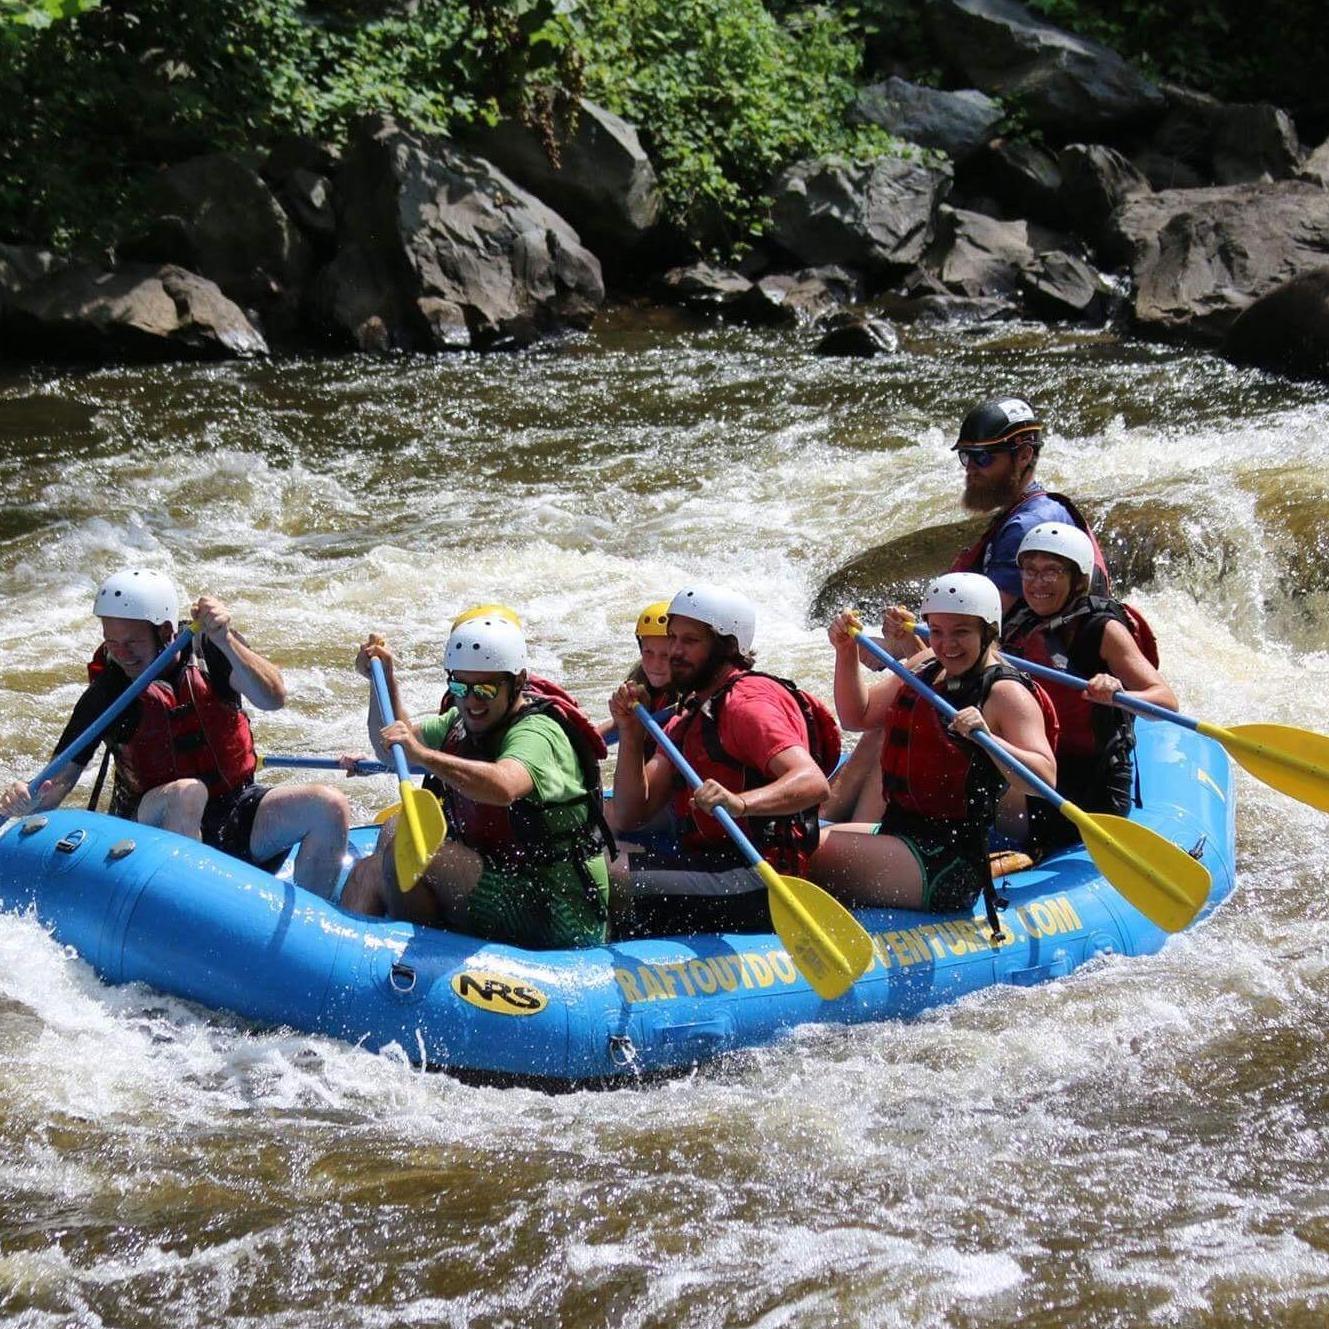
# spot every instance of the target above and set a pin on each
(484, 691)
(981, 457)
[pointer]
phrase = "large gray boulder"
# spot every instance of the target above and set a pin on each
(1139, 536)
(1058, 285)
(956, 123)
(134, 312)
(875, 215)
(1023, 179)
(1067, 86)
(1287, 330)
(1095, 181)
(1198, 257)
(1315, 169)
(215, 216)
(974, 255)
(439, 250)
(1224, 144)
(602, 183)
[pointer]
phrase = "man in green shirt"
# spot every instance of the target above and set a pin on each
(515, 764)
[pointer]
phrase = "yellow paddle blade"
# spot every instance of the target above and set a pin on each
(827, 943)
(386, 814)
(1161, 880)
(1293, 761)
(419, 833)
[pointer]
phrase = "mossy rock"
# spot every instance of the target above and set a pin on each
(1295, 517)
(1138, 536)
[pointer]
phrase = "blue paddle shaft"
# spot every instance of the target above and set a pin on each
(694, 782)
(385, 710)
(662, 714)
(113, 711)
(1126, 700)
(984, 740)
(362, 767)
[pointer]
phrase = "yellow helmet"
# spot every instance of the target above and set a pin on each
(653, 621)
(493, 611)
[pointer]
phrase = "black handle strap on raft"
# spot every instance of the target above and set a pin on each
(991, 903)
(100, 780)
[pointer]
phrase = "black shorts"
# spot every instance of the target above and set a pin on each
(952, 859)
(682, 893)
(228, 822)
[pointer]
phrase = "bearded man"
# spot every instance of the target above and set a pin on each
(749, 735)
(999, 446)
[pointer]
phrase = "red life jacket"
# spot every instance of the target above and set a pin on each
(971, 558)
(925, 770)
(522, 834)
(184, 730)
(787, 842)
(1096, 741)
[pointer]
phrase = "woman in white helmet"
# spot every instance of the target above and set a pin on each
(184, 755)
(515, 763)
(930, 850)
(1059, 623)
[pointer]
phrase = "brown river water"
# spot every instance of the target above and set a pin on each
(1141, 1144)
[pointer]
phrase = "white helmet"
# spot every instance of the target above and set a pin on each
(138, 593)
(492, 643)
(727, 613)
(963, 593)
(1060, 538)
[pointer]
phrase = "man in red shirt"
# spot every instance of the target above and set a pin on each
(746, 735)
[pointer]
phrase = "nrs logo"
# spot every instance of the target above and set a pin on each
(498, 993)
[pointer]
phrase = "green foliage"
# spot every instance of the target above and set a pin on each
(40, 13)
(725, 94)
(91, 107)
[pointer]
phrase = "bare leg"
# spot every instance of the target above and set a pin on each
(177, 807)
(856, 788)
(867, 869)
(318, 817)
(439, 897)
(366, 890)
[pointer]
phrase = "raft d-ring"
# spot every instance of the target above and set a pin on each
(622, 1051)
(401, 977)
(70, 842)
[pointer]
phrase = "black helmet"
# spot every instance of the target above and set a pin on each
(999, 421)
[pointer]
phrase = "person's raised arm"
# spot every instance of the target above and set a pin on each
(255, 678)
(641, 788)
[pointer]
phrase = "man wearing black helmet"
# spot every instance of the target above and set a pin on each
(998, 447)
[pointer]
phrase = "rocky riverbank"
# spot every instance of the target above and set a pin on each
(1149, 207)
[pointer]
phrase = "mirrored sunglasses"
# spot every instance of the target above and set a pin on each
(483, 691)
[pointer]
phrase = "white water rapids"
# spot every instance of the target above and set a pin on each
(1143, 1143)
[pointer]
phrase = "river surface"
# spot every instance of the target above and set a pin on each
(1141, 1144)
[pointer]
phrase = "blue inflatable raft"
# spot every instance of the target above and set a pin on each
(141, 905)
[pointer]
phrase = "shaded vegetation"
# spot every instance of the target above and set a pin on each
(96, 96)
(723, 91)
